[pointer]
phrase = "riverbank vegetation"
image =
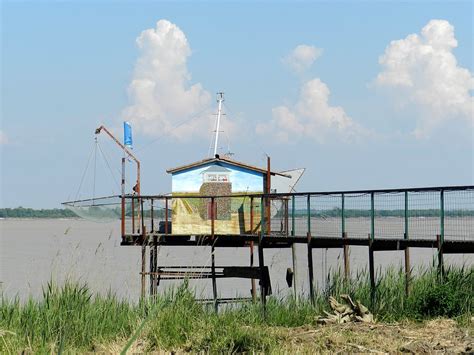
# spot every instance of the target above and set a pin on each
(21, 212)
(71, 318)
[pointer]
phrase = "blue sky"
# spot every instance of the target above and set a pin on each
(346, 117)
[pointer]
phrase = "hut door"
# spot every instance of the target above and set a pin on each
(211, 214)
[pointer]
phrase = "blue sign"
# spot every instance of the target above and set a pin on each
(127, 135)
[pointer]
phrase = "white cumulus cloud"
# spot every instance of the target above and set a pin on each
(422, 70)
(3, 138)
(312, 117)
(161, 93)
(302, 57)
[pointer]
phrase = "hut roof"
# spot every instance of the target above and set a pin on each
(218, 159)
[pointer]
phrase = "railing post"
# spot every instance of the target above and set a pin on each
(440, 238)
(252, 281)
(308, 210)
(142, 217)
(251, 214)
(371, 251)
(293, 249)
(442, 215)
(407, 250)
(263, 286)
(122, 225)
(310, 251)
(344, 236)
(166, 216)
(213, 258)
(133, 214)
(143, 280)
(151, 216)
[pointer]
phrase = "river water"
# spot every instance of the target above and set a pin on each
(35, 251)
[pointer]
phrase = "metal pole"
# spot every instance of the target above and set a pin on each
(268, 198)
(166, 215)
(152, 216)
(344, 236)
(310, 268)
(372, 215)
(261, 265)
(252, 281)
(251, 214)
(310, 251)
(441, 236)
(220, 98)
(213, 260)
(293, 249)
(407, 250)
(133, 215)
(123, 200)
(442, 215)
(371, 251)
(143, 280)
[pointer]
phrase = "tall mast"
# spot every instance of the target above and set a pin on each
(220, 99)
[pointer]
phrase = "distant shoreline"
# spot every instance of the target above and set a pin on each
(31, 213)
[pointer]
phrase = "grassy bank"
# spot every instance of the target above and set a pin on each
(71, 318)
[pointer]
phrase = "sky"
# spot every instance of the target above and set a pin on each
(362, 94)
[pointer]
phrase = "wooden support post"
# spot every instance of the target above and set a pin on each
(261, 265)
(371, 271)
(155, 265)
(347, 271)
(213, 260)
(253, 283)
(310, 269)
(152, 269)
(439, 243)
(407, 250)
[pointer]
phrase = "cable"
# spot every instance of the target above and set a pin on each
(110, 169)
(84, 173)
(95, 170)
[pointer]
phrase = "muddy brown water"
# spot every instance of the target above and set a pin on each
(35, 251)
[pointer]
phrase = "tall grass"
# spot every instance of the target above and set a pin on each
(71, 318)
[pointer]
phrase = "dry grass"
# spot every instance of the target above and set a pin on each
(439, 335)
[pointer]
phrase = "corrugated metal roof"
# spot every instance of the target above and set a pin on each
(218, 159)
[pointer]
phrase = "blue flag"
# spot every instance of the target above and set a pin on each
(127, 135)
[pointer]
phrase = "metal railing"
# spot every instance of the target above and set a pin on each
(447, 212)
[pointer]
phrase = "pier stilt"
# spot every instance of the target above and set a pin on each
(347, 271)
(261, 265)
(439, 244)
(407, 271)
(295, 272)
(143, 273)
(371, 271)
(253, 284)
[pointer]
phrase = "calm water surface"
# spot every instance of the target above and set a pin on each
(32, 252)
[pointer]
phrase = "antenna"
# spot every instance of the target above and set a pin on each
(220, 99)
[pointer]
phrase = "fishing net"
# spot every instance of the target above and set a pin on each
(101, 209)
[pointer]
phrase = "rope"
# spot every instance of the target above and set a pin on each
(84, 173)
(95, 169)
(110, 169)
